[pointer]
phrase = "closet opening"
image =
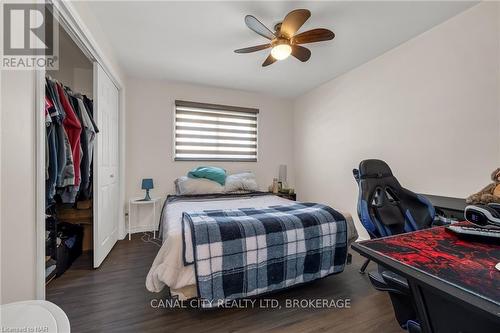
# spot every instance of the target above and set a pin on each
(71, 133)
(79, 156)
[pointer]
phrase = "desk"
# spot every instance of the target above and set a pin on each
(447, 206)
(454, 283)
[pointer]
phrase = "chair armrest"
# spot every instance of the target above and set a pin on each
(380, 284)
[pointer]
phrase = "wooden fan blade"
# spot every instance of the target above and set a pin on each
(258, 27)
(253, 48)
(301, 53)
(312, 36)
(293, 21)
(269, 60)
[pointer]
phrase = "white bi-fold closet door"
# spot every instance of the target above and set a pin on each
(106, 165)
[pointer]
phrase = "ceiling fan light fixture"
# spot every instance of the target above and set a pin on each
(285, 40)
(281, 51)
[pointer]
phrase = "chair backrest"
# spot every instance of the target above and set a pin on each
(385, 207)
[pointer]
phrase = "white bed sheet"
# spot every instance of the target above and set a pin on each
(168, 267)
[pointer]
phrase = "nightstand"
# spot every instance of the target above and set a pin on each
(152, 225)
(288, 196)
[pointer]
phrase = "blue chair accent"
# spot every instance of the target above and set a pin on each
(386, 208)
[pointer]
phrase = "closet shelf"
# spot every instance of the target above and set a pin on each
(71, 215)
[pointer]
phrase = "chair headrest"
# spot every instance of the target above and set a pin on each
(374, 169)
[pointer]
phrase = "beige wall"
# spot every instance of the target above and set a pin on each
(17, 225)
(150, 109)
(429, 107)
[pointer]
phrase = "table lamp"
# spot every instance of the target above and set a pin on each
(282, 174)
(147, 184)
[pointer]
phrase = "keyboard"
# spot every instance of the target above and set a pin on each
(489, 235)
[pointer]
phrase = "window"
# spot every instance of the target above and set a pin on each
(209, 132)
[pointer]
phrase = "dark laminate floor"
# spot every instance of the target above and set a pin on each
(113, 298)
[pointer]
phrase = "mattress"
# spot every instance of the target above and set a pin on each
(168, 267)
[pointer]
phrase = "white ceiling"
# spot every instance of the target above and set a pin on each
(194, 41)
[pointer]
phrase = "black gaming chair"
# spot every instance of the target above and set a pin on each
(386, 208)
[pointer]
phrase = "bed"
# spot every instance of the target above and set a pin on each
(170, 267)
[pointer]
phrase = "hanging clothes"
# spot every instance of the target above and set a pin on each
(89, 105)
(73, 129)
(48, 125)
(70, 135)
(68, 172)
(51, 154)
(57, 118)
(87, 139)
(85, 136)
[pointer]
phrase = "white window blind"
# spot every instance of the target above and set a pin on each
(210, 132)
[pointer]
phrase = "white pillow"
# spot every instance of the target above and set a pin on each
(185, 186)
(244, 181)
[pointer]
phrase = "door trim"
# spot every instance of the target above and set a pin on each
(74, 26)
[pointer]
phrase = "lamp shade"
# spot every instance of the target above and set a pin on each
(147, 184)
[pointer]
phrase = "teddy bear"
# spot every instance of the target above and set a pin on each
(489, 194)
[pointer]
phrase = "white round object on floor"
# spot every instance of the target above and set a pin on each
(497, 266)
(36, 316)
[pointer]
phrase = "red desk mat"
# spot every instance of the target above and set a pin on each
(467, 265)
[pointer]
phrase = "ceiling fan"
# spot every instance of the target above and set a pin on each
(284, 40)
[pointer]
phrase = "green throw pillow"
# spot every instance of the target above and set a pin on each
(213, 173)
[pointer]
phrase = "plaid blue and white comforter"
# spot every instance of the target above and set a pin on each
(246, 252)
